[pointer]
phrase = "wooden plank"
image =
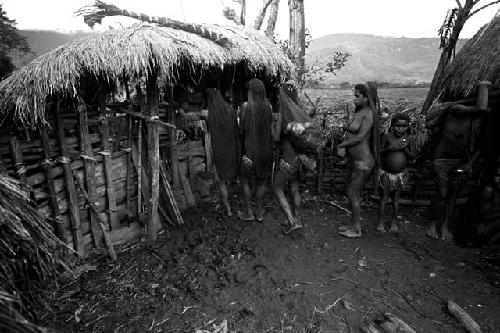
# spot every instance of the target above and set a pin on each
(108, 165)
(153, 157)
(149, 119)
(51, 189)
(89, 166)
(188, 193)
(17, 156)
(174, 166)
(95, 211)
(70, 187)
(208, 145)
(172, 206)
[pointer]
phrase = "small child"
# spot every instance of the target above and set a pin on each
(395, 157)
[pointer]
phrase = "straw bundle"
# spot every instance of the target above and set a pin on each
(27, 258)
(108, 56)
(478, 60)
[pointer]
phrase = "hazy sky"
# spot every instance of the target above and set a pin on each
(408, 18)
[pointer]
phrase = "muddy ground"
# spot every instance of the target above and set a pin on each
(250, 275)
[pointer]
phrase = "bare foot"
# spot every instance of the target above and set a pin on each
(446, 235)
(345, 227)
(228, 210)
(351, 233)
(245, 216)
(431, 232)
(394, 227)
(292, 228)
(260, 215)
(381, 228)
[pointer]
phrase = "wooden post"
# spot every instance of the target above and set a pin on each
(108, 164)
(319, 188)
(94, 208)
(173, 151)
(54, 205)
(208, 146)
(89, 164)
(332, 156)
(74, 211)
(129, 164)
(17, 156)
(152, 93)
(139, 169)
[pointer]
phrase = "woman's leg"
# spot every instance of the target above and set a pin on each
(224, 195)
(278, 188)
(354, 195)
(247, 191)
(381, 212)
(294, 189)
(260, 191)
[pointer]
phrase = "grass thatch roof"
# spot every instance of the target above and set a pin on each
(478, 60)
(108, 55)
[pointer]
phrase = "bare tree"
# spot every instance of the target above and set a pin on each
(273, 16)
(262, 13)
(297, 39)
(449, 33)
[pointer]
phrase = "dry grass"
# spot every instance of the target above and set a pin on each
(133, 51)
(478, 60)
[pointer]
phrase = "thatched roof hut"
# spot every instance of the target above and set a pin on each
(132, 52)
(478, 60)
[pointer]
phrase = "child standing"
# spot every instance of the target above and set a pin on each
(395, 157)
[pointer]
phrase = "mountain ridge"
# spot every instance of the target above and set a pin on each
(399, 60)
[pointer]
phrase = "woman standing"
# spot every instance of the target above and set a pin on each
(257, 146)
(362, 147)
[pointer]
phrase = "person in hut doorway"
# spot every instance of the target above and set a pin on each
(393, 175)
(362, 147)
(257, 148)
(224, 137)
(452, 158)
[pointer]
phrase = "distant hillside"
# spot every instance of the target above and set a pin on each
(42, 41)
(386, 59)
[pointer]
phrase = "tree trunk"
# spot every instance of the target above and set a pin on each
(297, 38)
(273, 16)
(260, 16)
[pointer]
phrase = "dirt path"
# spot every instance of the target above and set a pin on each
(258, 280)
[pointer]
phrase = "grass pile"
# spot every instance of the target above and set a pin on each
(28, 259)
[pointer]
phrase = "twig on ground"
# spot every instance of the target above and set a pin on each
(334, 204)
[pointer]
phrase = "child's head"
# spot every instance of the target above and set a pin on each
(400, 123)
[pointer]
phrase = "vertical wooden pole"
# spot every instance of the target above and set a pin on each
(74, 212)
(129, 164)
(319, 188)
(51, 189)
(173, 151)
(153, 157)
(208, 145)
(17, 156)
(89, 164)
(139, 169)
(108, 163)
(332, 156)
